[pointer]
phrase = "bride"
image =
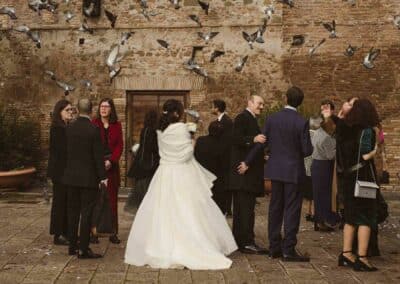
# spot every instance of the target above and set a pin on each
(178, 224)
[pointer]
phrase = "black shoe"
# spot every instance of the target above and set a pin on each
(322, 227)
(72, 251)
(89, 254)
(61, 240)
(253, 249)
(310, 218)
(344, 261)
(362, 266)
(94, 239)
(294, 256)
(274, 255)
(114, 239)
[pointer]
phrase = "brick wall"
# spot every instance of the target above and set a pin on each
(271, 67)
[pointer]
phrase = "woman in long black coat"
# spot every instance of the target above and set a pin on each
(61, 116)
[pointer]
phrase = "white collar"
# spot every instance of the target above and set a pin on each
(220, 116)
(252, 113)
(290, 107)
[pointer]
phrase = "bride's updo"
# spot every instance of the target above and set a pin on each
(172, 112)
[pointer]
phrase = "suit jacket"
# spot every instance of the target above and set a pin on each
(85, 163)
(226, 140)
(288, 140)
(57, 153)
(116, 146)
(208, 151)
(245, 128)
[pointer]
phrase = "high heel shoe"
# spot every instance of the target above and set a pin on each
(362, 266)
(344, 261)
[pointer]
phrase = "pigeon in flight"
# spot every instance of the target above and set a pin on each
(290, 3)
(163, 43)
(175, 3)
(260, 32)
(370, 58)
(37, 5)
(207, 36)
(215, 54)
(125, 36)
(297, 40)
(350, 50)
(66, 87)
(68, 16)
(196, 19)
(88, 10)
(242, 62)
(269, 10)
(85, 27)
(312, 50)
(331, 28)
(51, 74)
(250, 38)
(192, 65)
(111, 17)
(205, 6)
(10, 11)
(193, 113)
(112, 62)
(33, 35)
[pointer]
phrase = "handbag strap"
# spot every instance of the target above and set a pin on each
(359, 156)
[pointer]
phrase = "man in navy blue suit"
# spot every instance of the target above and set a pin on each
(288, 141)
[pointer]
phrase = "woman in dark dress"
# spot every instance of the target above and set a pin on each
(146, 161)
(61, 115)
(111, 135)
(355, 133)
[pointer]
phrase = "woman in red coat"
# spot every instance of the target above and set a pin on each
(111, 135)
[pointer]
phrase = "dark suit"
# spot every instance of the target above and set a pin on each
(208, 151)
(226, 142)
(55, 171)
(289, 142)
(248, 186)
(84, 170)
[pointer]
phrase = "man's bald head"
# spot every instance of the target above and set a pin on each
(85, 106)
(255, 104)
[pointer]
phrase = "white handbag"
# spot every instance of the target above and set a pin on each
(365, 189)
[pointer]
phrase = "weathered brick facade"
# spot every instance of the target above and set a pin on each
(271, 67)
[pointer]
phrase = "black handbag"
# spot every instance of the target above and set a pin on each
(102, 214)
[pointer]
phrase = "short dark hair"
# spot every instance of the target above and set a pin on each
(113, 115)
(362, 114)
(56, 119)
(220, 105)
(215, 129)
(294, 96)
(328, 102)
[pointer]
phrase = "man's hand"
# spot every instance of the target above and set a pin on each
(260, 138)
(103, 182)
(242, 168)
(107, 164)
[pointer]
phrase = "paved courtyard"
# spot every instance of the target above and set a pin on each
(28, 256)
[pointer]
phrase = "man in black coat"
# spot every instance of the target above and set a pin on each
(247, 187)
(208, 151)
(288, 140)
(84, 173)
(225, 194)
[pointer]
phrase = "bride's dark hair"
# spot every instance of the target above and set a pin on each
(172, 112)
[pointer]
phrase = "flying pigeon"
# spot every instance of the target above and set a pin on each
(87, 11)
(331, 28)
(312, 50)
(193, 113)
(269, 11)
(260, 32)
(297, 40)
(205, 6)
(241, 63)
(66, 87)
(192, 65)
(396, 21)
(350, 50)
(370, 58)
(250, 38)
(288, 2)
(111, 17)
(68, 15)
(175, 3)
(10, 11)
(207, 36)
(215, 54)
(37, 5)
(51, 74)
(163, 43)
(125, 36)
(85, 27)
(112, 62)
(196, 19)
(33, 35)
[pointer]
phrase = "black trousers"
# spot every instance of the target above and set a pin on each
(284, 207)
(58, 217)
(243, 217)
(81, 202)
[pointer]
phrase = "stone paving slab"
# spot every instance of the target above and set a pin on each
(27, 254)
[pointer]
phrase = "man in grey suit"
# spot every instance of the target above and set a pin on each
(84, 173)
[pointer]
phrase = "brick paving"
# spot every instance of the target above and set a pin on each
(28, 256)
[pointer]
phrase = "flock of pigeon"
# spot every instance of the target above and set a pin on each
(114, 57)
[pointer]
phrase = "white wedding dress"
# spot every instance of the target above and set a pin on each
(178, 224)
